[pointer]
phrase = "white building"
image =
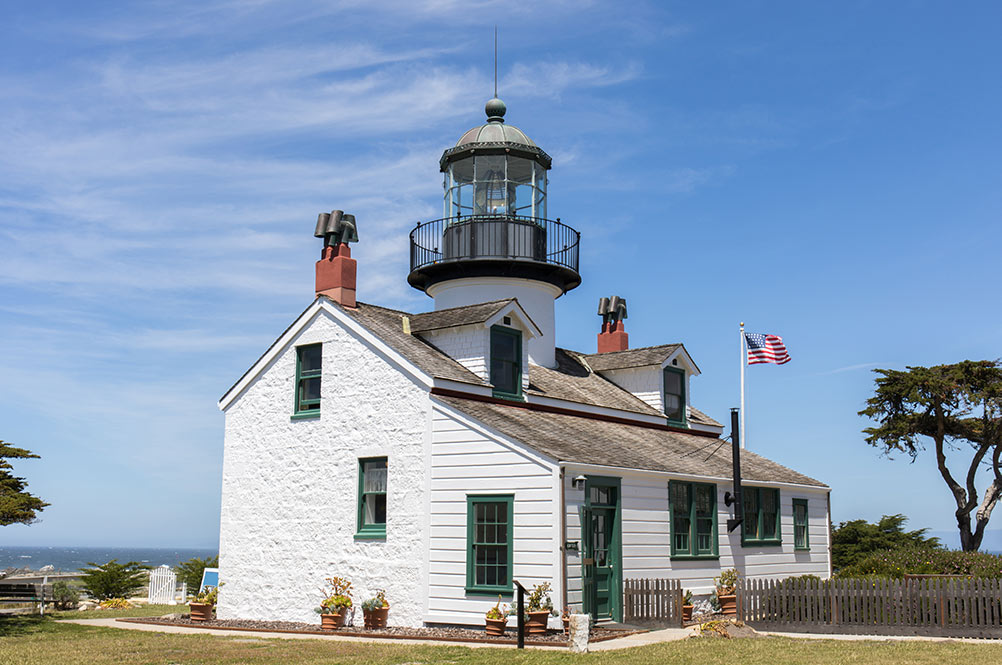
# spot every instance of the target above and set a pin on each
(442, 455)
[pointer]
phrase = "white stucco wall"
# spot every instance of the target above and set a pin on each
(290, 486)
(647, 546)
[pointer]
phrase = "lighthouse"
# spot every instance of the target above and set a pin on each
(494, 240)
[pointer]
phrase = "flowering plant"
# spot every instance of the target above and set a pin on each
(727, 582)
(498, 612)
(377, 603)
(337, 596)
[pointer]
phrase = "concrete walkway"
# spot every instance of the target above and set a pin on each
(640, 639)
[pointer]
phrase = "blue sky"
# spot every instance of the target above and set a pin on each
(829, 173)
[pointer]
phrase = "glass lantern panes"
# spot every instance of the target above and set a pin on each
(502, 185)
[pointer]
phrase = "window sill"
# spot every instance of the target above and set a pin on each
(678, 423)
(801, 549)
(371, 535)
(761, 543)
(306, 415)
(694, 557)
(494, 592)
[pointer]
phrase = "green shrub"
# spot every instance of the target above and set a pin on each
(923, 561)
(65, 595)
(190, 571)
(856, 540)
(113, 579)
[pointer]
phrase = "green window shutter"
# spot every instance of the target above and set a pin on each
(800, 537)
(309, 360)
(761, 516)
(489, 543)
(693, 509)
(506, 362)
(372, 479)
(674, 395)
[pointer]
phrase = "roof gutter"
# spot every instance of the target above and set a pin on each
(546, 408)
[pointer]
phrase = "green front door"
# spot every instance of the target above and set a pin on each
(603, 549)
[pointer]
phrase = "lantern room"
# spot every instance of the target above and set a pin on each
(494, 170)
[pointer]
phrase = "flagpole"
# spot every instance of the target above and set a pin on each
(743, 353)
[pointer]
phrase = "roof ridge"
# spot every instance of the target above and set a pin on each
(638, 348)
(477, 304)
(369, 304)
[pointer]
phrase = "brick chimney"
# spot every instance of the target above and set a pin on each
(613, 336)
(336, 270)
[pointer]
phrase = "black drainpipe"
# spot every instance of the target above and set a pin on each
(738, 518)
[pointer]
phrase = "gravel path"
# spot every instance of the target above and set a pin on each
(553, 638)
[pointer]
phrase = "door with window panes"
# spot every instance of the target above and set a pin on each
(602, 571)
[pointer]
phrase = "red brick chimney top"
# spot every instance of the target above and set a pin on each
(337, 275)
(613, 336)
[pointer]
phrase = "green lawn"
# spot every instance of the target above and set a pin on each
(31, 641)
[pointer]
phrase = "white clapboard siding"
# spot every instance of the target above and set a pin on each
(464, 461)
(646, 537)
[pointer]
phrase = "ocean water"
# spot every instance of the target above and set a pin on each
(68, 559)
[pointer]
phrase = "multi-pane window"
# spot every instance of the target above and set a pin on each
(372, 498)
(506, 361)
(761, 516)
(693, 519)
(308, 366)
(489, 543)
(800, 538)
(675, 395)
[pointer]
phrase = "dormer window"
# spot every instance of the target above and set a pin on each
(506, 362)
(674, 395)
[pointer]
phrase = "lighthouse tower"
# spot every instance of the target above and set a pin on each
(494, 240)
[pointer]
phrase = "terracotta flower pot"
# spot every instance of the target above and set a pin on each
(375, 618)
(201, 611)
(567, 625)
(496, 626)
(687, 613)
(728, 604)
(536, 625)
(333, 621)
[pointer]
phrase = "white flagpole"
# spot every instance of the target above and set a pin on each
(743, 352)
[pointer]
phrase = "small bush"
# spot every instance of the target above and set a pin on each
(897, 563)
(190, 571)
(115, 604)
(113, 579)
(65, 595)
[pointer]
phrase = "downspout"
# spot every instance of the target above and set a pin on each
(831, 567)
(563, 542)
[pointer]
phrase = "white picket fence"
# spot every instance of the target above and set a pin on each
(163, 587)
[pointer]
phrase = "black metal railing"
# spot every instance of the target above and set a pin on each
(509, 237)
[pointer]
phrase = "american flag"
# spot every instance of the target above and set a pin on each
(766, 349)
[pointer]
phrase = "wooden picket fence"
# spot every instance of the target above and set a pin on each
(652, 601)
(940, 606)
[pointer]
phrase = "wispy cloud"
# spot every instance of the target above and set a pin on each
(851, 368)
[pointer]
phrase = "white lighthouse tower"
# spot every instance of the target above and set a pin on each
(494, 240)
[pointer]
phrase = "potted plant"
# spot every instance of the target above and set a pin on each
(375, 610)
(496, 619)
(566, 619)
(687, 606)
(334, 607)
(203, 603)
(538, 609)
(726, 586)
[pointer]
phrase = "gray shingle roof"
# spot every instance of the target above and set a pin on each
(567, 438)
(573, 381)
(647, 355)
(457, 316)
(387, 324)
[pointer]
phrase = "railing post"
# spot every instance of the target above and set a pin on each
(521, 614)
